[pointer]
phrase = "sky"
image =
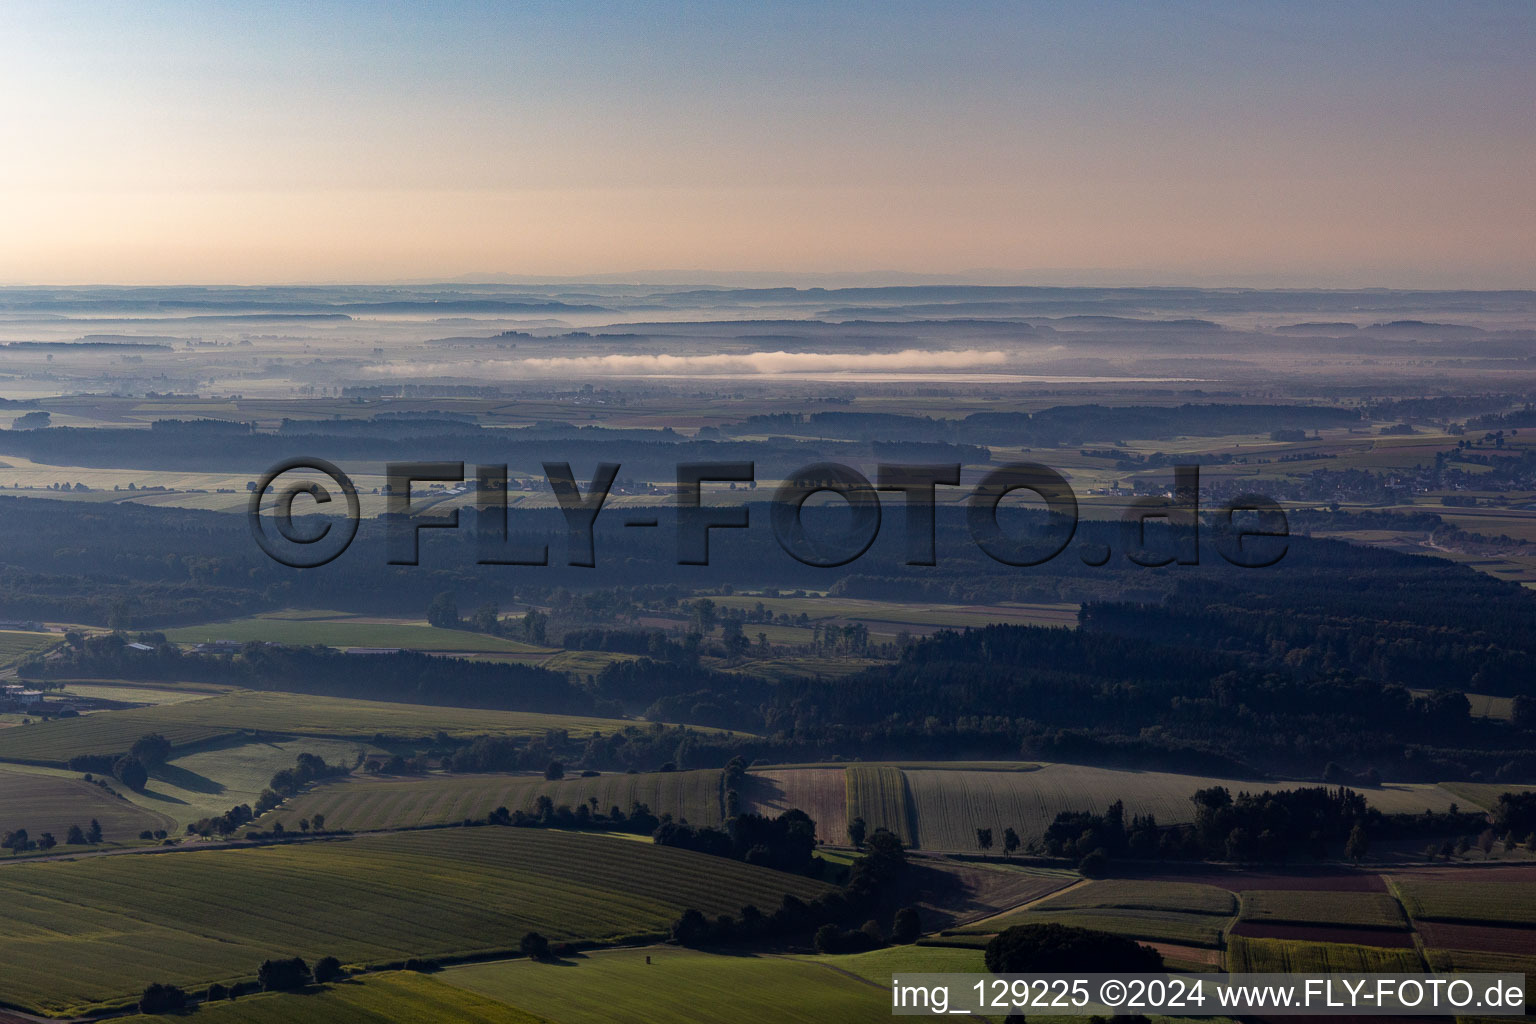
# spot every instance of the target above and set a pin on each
(1286, 144)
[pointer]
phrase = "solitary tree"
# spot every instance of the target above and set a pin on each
(534, 946)
(906, 926)
(443, 612)
(152, 749)
(1010, 841)
(984, 838)
(1357, 844)
(327, 968)
(93, 836)
(131, 772)
(857, 830)
(158, 998)
(283, 975)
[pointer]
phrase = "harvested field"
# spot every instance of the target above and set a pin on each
(820, 792)
(1175, 953)
(1479, 937)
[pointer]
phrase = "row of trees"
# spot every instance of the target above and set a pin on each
(20, 841)
(277, 975)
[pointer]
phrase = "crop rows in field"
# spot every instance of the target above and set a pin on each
(16, 645)
(51, 803)
(366, 804)
(1342, 909)
(879, 795)
(92, 931)
(1452, 897)
(1289, 956)
(192, 722)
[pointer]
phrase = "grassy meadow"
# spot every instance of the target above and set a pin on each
(250, 711)
(391, 997)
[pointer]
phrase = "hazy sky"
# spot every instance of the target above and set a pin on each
(1288, 143)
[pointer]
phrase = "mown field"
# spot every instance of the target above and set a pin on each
(91, 932)
(365, 803)
(200, 721)
(132, 693)
(51, 803)
(344, 631)
(1290, 956)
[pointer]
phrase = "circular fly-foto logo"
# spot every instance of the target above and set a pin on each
(276, 532)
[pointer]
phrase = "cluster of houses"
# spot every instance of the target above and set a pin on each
(19, 698)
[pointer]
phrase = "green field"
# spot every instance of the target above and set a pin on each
(1347, 909)
(17, 644)
(879, 795)
(1482, 794)
(1289, 956)
(200, 721)
(679, 985)
(347, 631)
(369, 803)
(1147, 925)
(385, 998)
(1134, 894)
(1463, 899)
(40, 802)
(90, 932)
